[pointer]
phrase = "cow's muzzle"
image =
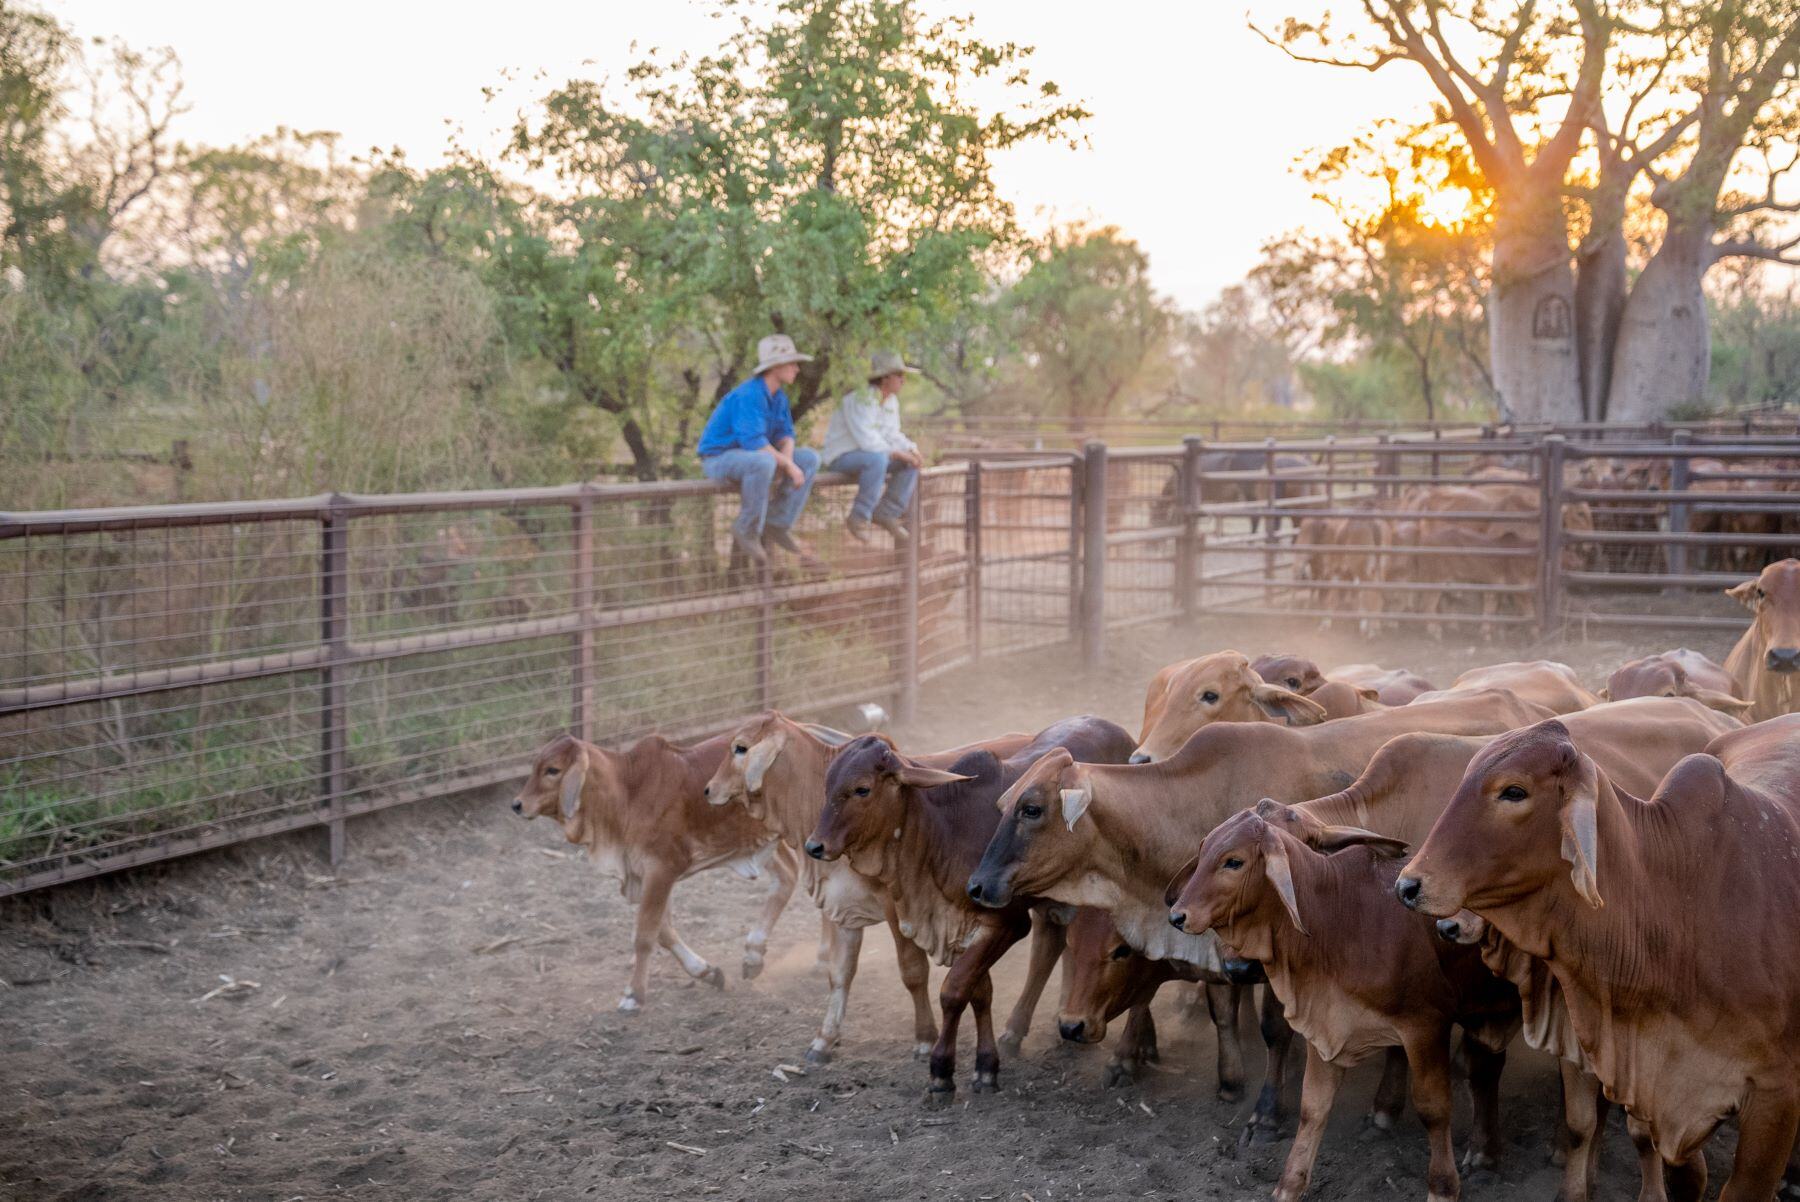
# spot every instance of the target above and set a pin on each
(990, 892)
(1449, 930)
(815, 849)
(1783, 659)
(1178, 919)
(1138, 757)
(1072, 1031)
(1408, 889)
(518, 805)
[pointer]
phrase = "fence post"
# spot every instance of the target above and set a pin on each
(1550, 584)
(1093, 553)
(1187, 492)
(1680, 480)
(1271, 523)
(972, 549)
(334, 633)
(1077, 489)
(765, 634)
(581, 717)
(908, 702)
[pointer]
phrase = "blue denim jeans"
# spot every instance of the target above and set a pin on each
(871, 469)
(756, 477)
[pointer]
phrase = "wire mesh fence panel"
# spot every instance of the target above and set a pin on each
(1030, 553)
(1143, 533)
(1656, 533)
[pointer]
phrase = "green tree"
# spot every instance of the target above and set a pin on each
(823, 175)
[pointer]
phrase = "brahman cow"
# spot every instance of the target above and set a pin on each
(1766, 661)
(1219, 687)
(776, 771)
(642, 815)
(1544, 682)
(1338, 698)
(919, 831)
(1289, 671)
(1680, 673)
(1355, 973)
(1393, 686)
(1669, 924)
(1112, 837)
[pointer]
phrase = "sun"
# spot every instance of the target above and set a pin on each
(1446, 206)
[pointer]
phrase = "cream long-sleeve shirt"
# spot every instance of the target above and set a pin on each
(865, 420)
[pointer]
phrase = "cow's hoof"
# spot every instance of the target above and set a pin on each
(1010, 1043)
(1475, 1161)
(921, 1052)
(752, 968)
(818, 1055)
(1559, 1156)
(714, 976)
(629, 1004)
(985, 1083)
(1230, 1092)
(1119, 1074)
(940, 1094)
(1257, 1135)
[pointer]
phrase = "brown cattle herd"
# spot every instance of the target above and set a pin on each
(1607, 870)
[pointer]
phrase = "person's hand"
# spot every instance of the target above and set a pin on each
(795, 476)
(910, 458)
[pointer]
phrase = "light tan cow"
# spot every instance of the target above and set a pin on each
(1219, 687)
(642, 816)
(1680, 673)
(1393, 686)
(1766, 661)
(1555, 686)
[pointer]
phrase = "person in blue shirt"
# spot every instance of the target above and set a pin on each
(749, 440)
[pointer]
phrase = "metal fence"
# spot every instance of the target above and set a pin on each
(180, 677)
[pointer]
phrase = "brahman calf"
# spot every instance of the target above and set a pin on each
(1393, 686)
(1681, 673)
(1542, 682)
(642, 816)
(1219, 687)
(1766, 661)
(919, 831)
(776, 771)
(1669, 925)
(1355, 973)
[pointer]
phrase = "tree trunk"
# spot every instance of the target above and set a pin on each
(1599, 304)
(1531, 326)
(1663, 351)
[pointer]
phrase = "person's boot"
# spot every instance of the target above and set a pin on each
(749, 548)
(893, 527)
(782, 537)
(859, 529)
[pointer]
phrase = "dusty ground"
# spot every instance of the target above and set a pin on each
(436, 1021)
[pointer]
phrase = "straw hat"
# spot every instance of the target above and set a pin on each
(776, 350)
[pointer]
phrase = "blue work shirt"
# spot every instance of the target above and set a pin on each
(748, 417)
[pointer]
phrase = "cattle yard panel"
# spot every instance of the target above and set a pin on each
(1144, 534)
(1028, 585)
(180, 677)
(1664, 530)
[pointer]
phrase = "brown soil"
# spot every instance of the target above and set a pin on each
(436, 1021)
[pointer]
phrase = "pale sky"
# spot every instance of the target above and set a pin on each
(1196, 121)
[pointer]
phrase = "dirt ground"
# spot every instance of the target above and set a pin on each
(436, 1020)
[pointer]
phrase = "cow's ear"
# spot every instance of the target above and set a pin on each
(1278, 702)
(574, 777)
(1744, 594)
(1604, 693)
(1713, 699)
(921, 777)
(1580, 830)
(1180, 880)
(1281, 875)
(1366, 693)
(1336, 838)
(760, 759)
(1154, 698)
(1075, 802)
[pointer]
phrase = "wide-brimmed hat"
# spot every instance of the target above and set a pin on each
(887, 363)
(775, 350)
